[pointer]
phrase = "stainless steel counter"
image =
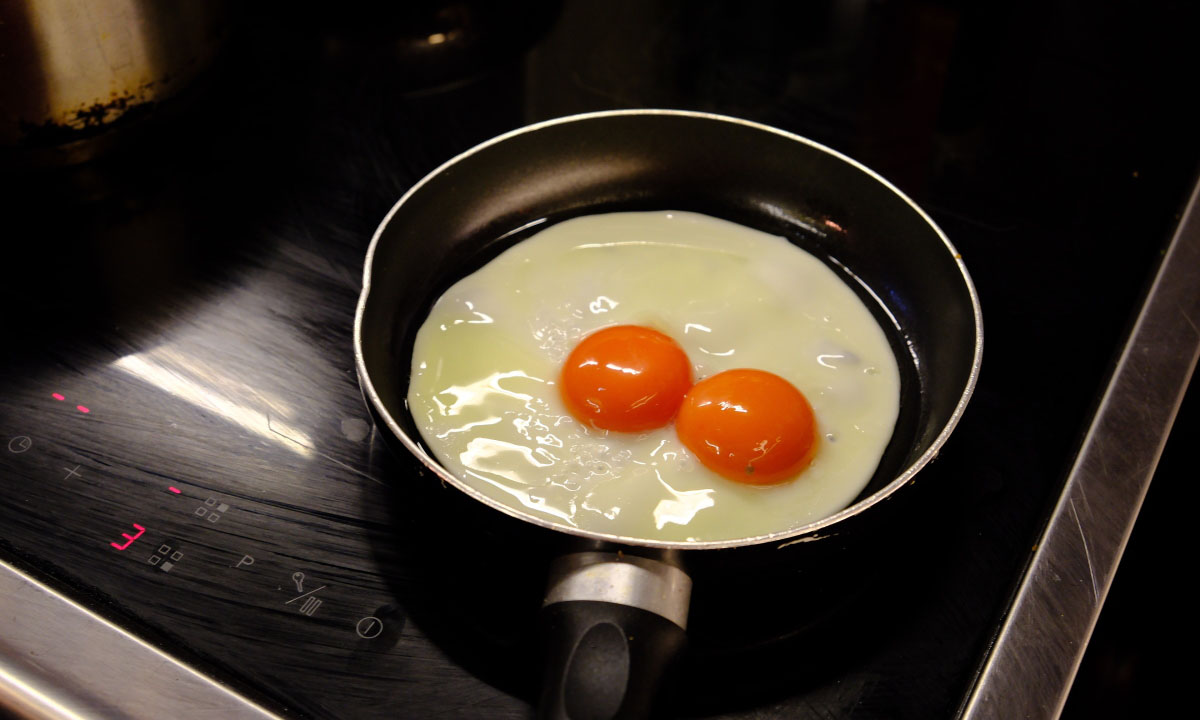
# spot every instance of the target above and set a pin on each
(1031, 666)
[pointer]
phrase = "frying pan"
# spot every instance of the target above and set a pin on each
(616, 608)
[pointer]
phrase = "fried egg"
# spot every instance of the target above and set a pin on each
(487, 366)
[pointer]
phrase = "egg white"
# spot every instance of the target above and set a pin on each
(486, 362)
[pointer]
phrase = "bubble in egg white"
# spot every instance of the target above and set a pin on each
(485, 367)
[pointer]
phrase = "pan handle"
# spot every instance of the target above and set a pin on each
(614, 624)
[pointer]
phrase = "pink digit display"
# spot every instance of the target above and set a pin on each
(60, 397)
(129, 538)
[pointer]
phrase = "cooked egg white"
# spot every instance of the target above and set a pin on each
(486, 361)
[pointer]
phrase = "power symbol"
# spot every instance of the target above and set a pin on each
(369, 627)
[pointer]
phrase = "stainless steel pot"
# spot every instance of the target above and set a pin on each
(73, 70)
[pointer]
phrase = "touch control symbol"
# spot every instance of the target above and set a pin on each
(72, 472)
(382, 628)
(369, 627)
(298, 578)
(211, 510)
(19, 444)
(164, 558)
(311, 601)
(129, 538)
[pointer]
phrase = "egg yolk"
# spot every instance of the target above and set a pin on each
(750, 426)
(626, 378)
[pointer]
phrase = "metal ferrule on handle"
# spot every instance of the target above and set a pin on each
(651, 585)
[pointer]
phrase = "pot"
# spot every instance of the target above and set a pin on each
(72, 71)
(616, 608)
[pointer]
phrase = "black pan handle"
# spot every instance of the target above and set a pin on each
(613, 624)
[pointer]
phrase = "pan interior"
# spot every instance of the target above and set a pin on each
(474, 208)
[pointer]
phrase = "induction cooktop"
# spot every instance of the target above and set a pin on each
(198, 517)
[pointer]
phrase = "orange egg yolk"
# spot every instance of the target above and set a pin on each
(750, 426)
(626, 378)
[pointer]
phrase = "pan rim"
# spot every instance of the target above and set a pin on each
(801, 534)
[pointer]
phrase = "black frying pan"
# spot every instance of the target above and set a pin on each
(616, 607)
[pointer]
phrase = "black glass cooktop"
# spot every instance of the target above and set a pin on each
(184, 448)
